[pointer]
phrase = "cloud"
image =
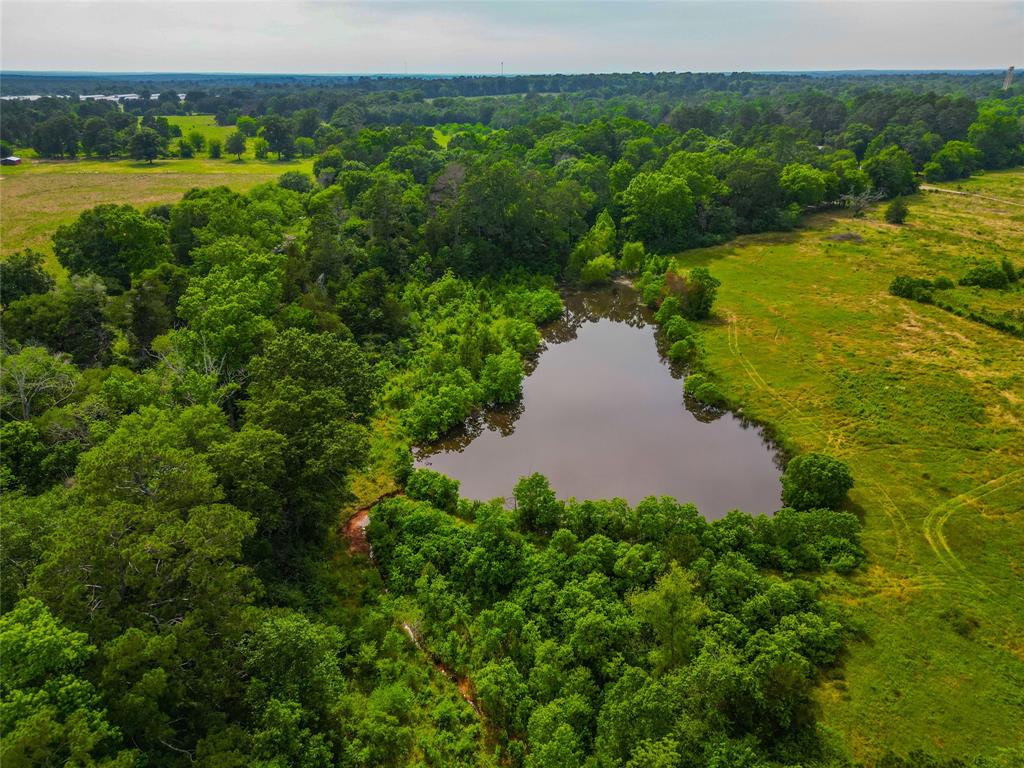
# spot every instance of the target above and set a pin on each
(474, 37)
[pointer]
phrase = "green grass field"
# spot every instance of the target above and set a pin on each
(40, 195)
(205, 124)
(928, 409)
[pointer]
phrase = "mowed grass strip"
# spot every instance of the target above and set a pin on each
(39, 196)
(928, 409)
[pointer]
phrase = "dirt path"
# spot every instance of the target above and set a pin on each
(354, 531)
(1003, 200)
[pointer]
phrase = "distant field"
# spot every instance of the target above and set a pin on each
(928, 409)
(40, 195)
(205, 124)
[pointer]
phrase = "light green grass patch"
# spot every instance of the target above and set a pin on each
(928, 409)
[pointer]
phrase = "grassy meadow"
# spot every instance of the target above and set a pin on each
(40, 195)
(928, 409)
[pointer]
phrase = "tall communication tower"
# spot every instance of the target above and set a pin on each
(1009, 79)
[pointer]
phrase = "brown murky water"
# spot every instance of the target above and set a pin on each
(603, 415)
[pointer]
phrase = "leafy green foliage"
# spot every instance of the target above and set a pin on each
(987, 274)
(51, 714)
(624, 627)
(896, 212)
(814, 480)
(22, 274)
(114, 241)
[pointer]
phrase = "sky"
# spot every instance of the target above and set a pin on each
(523, 36)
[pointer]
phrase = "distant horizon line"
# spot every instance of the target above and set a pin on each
(222, 73)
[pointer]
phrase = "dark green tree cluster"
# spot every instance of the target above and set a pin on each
(597, 633)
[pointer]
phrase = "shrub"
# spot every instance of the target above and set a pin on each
(676, 329)
(683, 351)
(703, 390)
(428, 485)
(815, 480)
(696, 292)
(896, 212)
(598, 270)
(1012, 275)
(185, 150)
(297, 181)
(987, 274)
(943, 283)
(213, 147)
(633, 257)
(916, 288)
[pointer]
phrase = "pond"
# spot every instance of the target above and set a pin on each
(603, 415)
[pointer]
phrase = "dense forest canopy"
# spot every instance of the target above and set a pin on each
(184, 411)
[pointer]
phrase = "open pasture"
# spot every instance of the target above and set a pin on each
(928, 409)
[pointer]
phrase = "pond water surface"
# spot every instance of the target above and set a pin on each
(602, 415)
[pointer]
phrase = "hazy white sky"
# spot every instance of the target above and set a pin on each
(463, 37)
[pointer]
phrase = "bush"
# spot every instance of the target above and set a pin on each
(703, 390)
(896, 212)
(815, 480)
(677, 329)
(916, 288)
(185, 150)
(696, 292)
(213, 147)
(260, 148)
(598, 270)
(943, 283)
(683, 351)
(297, 181)
(633, 257)
(433, 487)
(987, 274)
(1012, 275)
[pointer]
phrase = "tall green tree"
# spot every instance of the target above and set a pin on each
(114, 241)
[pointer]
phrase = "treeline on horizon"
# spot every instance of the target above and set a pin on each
(184, 413)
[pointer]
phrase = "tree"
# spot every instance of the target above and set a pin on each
(891, 172)
(672, 611)
(815, 480)
(696, 292)
(213, 147)
(956, 160)
(633, 257)
(428, 485)
(197, 139)
(660, 212)
(896, 211)
(501, 377)
(70, 319)
(22, 274)
(537, 509)
(235, 144)
(149, 539)
(115, 241)
(34, 380)
(247, 126)
(305, 146)
(260, 148)
(316, 391)
(146, 144)
(98, 137)
(52, 714)
(297, 181)
(998, 135)
(278, 133)
(56, 137)
(803, 184)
